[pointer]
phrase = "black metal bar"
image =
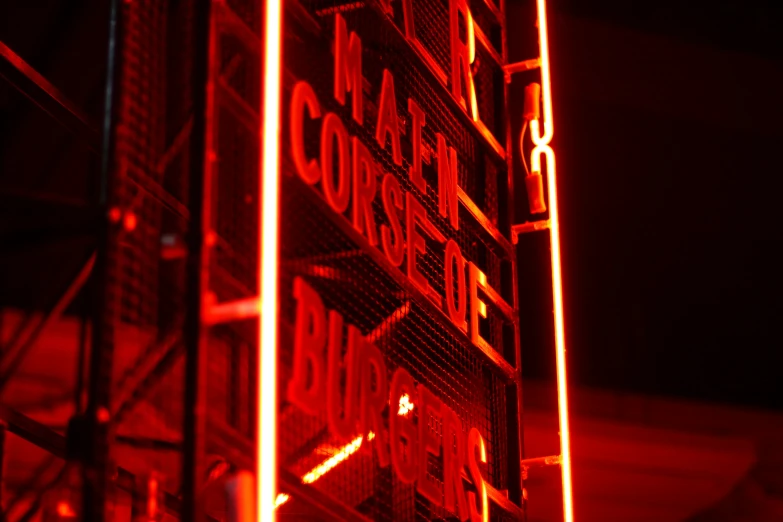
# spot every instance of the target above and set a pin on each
(19, 353)
(516, 430)
(81, 358)
(18, 335)
(40, 435)
(152, 365)
(35, 87)
(3, 428)
(33, 431)
(38, 196)
(486, 225)
(194, 428)
(95, 449)
(228, 19)
(146, 183)
(320, 502)
(149, 443)
(226, 441)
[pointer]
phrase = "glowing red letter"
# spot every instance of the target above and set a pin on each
(447, 182)
(417, 122)
(364, 187)
(303, 96)
(476, 442)
(333, 128)
(453, 462)
(462, 55)
(457, 311)
(387, 118)
(373, 401)
(391, 236)
(309, 339)
(348, 67)
(477, 280)
(341, 408)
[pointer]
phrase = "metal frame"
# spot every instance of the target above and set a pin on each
(542, 148)
(209, 91)
(96, 419)
(41, 92)
(201, 160)
(54, 443)
(516, 493)
(513, 503)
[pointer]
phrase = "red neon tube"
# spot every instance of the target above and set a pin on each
(542, 148)
(266, 464)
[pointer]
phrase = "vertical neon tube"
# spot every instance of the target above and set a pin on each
(546, 83)
(562, 391)
(560, 349)
(543, 148)
(266, 462)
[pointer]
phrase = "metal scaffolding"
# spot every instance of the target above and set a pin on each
(152, 337)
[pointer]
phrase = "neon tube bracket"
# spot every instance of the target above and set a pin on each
(525, 228)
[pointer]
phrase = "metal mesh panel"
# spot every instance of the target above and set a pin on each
(329, 260)
(433, 30)
(140, 143)
(488, 82)
(487, 20)
(411, 81)
(324, 249)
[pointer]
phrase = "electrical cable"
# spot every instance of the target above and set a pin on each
(522, 146)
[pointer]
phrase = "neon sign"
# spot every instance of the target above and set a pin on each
(534, 96)
(338, 374)
(352, 389)
(345, 170)
(269, 188)
(542, 148)
(320, 338)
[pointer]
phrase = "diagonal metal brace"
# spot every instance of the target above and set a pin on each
(49, 98)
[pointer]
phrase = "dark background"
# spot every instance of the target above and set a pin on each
(668, 140)
(668, 137)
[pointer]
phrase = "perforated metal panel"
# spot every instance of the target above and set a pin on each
(355, 279)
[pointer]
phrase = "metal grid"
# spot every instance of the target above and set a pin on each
(158, 54)
(475, 162)
(488, 82)
(488, 20)
(321, 247)
(419, 342)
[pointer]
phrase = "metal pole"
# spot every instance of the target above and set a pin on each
(3, 428)
(197, 264)
(93, 446)
(516, 443)
(18, 352)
